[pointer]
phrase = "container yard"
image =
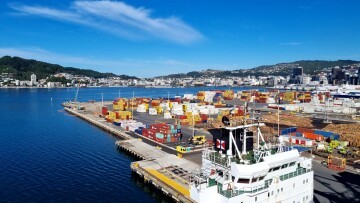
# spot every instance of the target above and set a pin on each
(170, 134)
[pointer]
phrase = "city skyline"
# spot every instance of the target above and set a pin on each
(145, 38)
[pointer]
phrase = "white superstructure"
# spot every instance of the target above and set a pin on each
(264, 174)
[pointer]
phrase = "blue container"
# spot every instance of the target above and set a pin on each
(288, 131)
(178, 130)
(140, 128)
(299, 134)
(204, 121)
(147, 125)
(116, 123)
(173, 131)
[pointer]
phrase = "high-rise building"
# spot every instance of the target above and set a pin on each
(298, 71)
(335, 72)
(33, 78)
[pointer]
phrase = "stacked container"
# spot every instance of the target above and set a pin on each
(162, 132)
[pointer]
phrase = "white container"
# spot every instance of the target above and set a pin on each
(152, 111)
(167, 115)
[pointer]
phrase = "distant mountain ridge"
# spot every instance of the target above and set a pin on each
(280, 69)
(23, 68)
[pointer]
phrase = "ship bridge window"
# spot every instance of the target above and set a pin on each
(284, 166)
(254, 180)
(276, 168)
(241, 180)
(261, 178)
(292, 163)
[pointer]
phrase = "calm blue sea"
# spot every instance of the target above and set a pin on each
(47, 155)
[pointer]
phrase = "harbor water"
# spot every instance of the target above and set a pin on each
(48, 155)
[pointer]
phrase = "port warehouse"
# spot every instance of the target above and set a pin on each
(193, 110)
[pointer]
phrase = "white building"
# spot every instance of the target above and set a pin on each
(306, 80)
(33, 79)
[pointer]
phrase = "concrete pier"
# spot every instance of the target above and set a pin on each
(103, 125)
(159, 165)
(165, 171)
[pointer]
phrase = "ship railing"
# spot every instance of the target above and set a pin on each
(216, 158)
(236, 192)
(299, 171)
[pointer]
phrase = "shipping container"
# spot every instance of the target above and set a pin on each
(304, 130)
(104, 110)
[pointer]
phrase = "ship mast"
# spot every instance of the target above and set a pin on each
(278, 113)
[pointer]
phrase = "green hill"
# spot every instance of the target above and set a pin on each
(280, 69)
(23, 68)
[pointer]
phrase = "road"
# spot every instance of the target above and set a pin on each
(330, 186)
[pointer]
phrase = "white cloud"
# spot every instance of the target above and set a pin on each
(140, 68)
(120, 19)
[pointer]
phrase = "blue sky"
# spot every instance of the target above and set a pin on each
(157, 37)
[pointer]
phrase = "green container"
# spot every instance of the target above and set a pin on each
(160, 135)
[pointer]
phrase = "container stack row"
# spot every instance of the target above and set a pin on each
(312, 134)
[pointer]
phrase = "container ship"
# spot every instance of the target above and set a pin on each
(233, 170)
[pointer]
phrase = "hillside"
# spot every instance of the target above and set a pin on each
(23, 68)
(281, 69)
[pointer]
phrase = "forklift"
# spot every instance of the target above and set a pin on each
(197, 139)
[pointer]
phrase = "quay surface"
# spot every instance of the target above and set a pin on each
(103, 125)
(165, 171)
(160, 164)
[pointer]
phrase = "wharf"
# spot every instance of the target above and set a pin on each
(103, 125)
(140, 149)
(166, 172)
(159, 166)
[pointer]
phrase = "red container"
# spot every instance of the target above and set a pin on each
(104, 110)
(164, 131)
(297, 141)
(304, 130)
(302, 142)
(182, 117)
(159, 140)
(152, 132)
(145, 132)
